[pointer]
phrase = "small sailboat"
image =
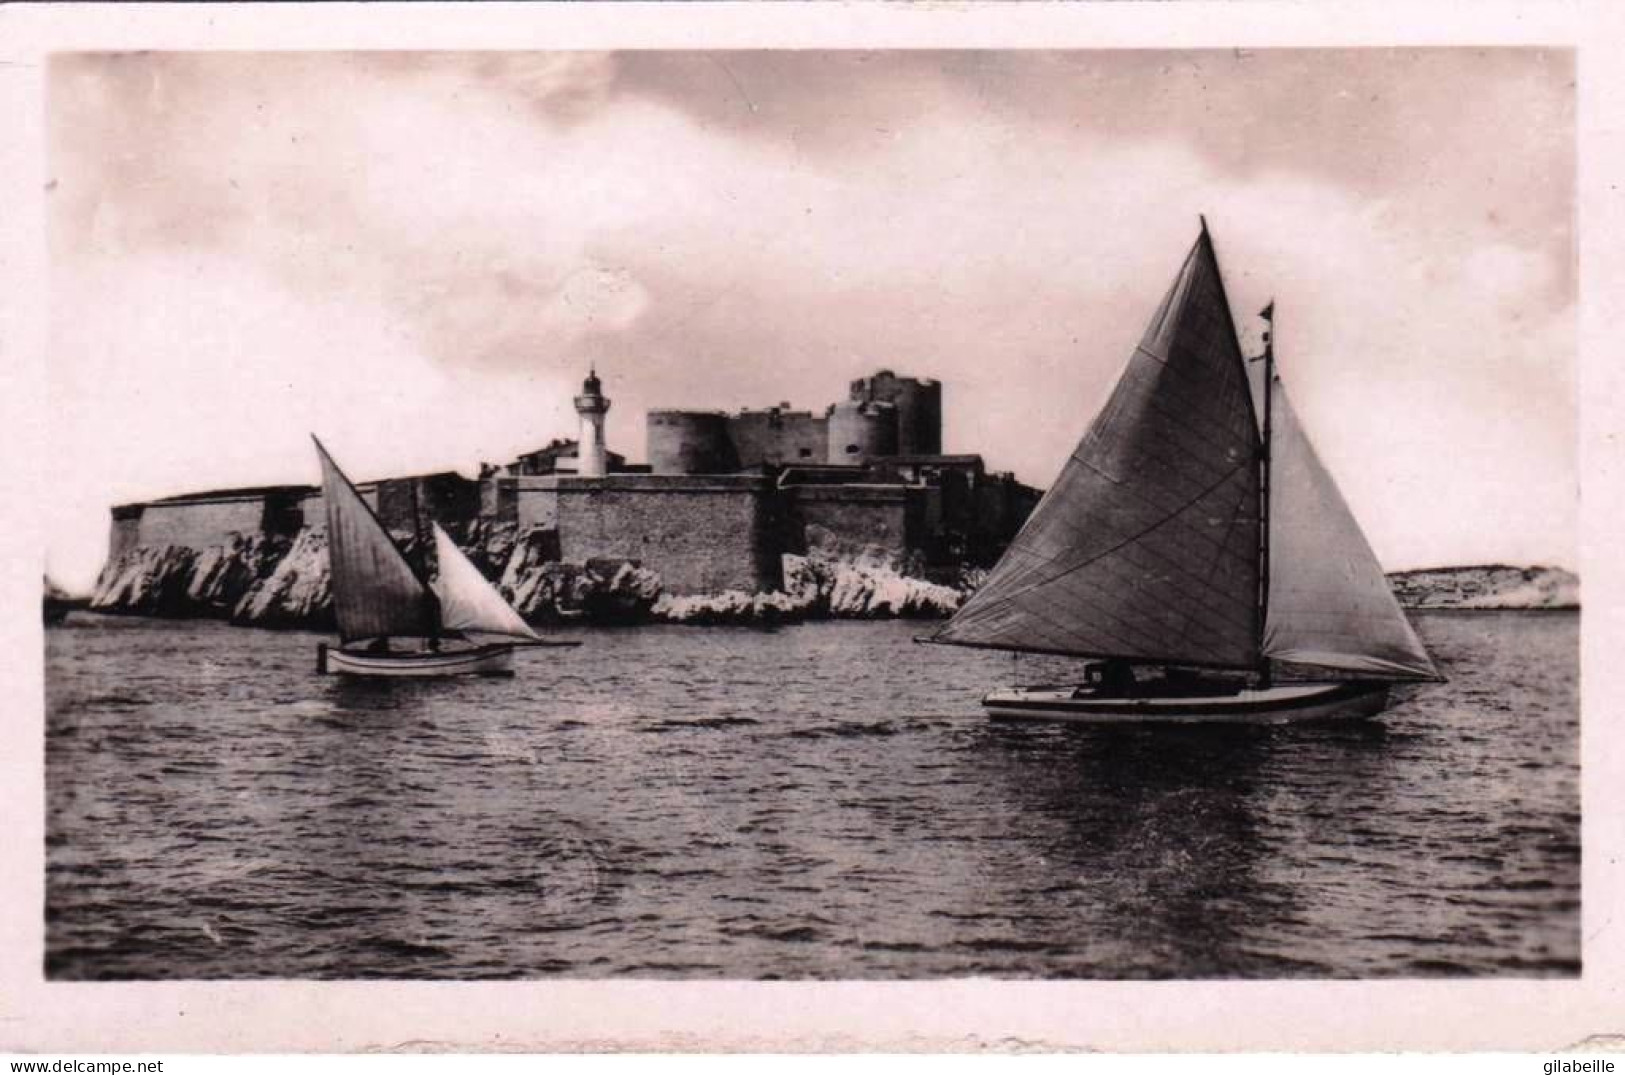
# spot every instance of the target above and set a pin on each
(1187, 552)
(381, 599)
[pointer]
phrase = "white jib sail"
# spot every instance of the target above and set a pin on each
(1330, 603)
(468, 602)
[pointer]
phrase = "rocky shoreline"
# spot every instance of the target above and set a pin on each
(265, 581)
(268, 581)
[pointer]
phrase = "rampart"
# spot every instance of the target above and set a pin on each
(702, 534)
(203, 519)
(200, 520)
(855, 520)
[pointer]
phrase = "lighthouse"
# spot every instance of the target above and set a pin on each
(591, 455)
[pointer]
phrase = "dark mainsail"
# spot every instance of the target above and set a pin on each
(1147, 545)
(375, 591)
(1150, 545)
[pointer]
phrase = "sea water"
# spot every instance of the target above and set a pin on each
(823, 800)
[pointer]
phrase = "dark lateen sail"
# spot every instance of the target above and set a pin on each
(376, 592)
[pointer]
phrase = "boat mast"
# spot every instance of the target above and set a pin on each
(1268, 314)
(422, 562)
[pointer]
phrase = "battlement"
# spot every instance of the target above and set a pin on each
(884, 415)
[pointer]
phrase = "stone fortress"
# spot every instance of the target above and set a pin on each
(721, 502)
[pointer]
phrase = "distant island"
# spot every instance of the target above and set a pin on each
(1488, 586)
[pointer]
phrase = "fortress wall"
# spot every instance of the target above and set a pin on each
(848, 519)
(126, 531)
(499, 499)
(314, 509)
(393, 503)
(451, 498)
(536, 503)
(690, 442)
(199, 523)
(999, 508)
(445, 498)
(702, 535)
(778, 436)
(284, 513)
(313, 506)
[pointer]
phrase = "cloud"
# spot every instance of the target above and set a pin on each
(444, 242)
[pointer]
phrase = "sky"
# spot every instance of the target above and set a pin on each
(418, 256)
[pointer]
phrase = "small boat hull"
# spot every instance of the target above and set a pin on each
(492, 660)
(1289, 703)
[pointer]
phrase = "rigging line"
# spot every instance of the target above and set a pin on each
(1182, 392)
(1232, 472)
(1129, 490)
(1221, 611)
(1121, 638)
(1189, 617)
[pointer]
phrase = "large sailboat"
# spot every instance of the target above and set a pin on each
(392, 620)
(1188, 549)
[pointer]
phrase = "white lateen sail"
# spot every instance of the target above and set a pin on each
(468, 601)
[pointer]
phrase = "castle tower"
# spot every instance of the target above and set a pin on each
(591, 453)
(919, 409)
(861, 432)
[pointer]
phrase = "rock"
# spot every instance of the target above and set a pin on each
(542, 589)
(178, 581)
(151, 581)
(532, 579)
(295, 592)
(489, 545)
(869, 593)
(864, 589)
(617, 591)
(732, 607)
(174, 580)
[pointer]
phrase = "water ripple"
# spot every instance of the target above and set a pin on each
(820, 801)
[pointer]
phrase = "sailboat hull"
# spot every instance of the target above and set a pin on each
(492, 660)
(1291, 703)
